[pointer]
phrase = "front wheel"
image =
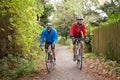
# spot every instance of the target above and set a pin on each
(79, 60)
(49, 63)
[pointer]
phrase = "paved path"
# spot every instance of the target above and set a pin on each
(66, 69)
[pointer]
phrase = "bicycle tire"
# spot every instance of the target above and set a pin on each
(49, 63)
(79, 60)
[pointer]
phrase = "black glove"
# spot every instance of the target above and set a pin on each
(40, 46)
(87, 39)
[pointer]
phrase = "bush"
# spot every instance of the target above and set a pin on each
(13, 67)
(61, 40)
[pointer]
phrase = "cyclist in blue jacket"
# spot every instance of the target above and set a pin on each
(50, 36)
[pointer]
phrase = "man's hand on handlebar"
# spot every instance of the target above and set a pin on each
(87, 39)
(41, 47)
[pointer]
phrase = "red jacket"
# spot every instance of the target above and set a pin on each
(75, 31)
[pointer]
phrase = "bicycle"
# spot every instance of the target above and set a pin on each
(79, 53)
(49, 60)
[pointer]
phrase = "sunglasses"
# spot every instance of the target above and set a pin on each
(79, 19)
(48, 28)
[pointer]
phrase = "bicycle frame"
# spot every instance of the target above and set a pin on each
(78, 46)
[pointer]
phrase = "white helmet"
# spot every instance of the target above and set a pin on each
(80, 17)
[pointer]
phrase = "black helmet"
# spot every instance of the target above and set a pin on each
(80, 17)
(49, 25)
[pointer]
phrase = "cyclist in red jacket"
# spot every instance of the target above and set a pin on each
(77, 29)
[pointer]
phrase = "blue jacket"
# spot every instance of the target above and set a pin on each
(51, 36)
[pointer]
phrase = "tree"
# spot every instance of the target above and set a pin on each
(112, 8)
(18, 26)
(48, 9)
(67, 11)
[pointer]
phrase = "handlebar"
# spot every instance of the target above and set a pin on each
(41, 47)
(79, 39)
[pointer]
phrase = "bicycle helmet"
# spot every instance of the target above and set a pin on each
(80, 17)
(49, 25)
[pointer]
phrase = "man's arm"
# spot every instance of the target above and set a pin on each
(56, 36)
(71, 30)
(42, 35)
(84, 30)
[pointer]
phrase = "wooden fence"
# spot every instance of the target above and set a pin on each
(106, 40)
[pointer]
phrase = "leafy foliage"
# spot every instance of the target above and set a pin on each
(18, 25)
(111, 7)
(113, 10)
(19, 33)
(48, 9)
(13, 67)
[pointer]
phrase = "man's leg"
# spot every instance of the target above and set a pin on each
(53, 50)
(54, 54)
(74, 46)
(46, 47)
(74, 49)
(46, 50)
